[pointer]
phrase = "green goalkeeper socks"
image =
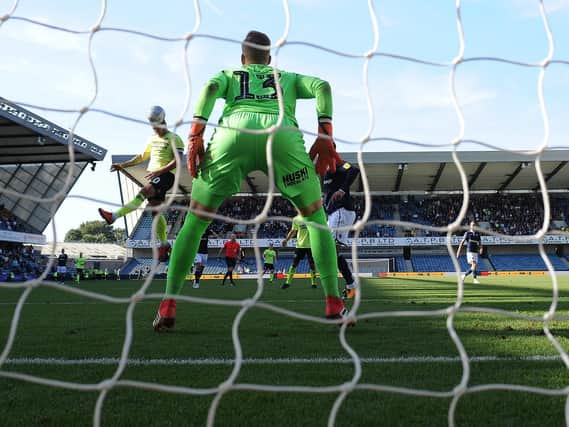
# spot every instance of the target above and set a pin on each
(130, 206)
(183, 252)
(312, 277)
(324, 253)
(161, 228)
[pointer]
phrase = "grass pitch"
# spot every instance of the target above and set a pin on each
(65, 337)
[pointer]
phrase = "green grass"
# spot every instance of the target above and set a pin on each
(58, 325)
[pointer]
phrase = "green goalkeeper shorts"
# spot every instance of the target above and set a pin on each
(231, 155)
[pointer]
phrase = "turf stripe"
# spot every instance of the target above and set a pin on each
(270, 361)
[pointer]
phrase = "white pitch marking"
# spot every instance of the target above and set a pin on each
(271, 361)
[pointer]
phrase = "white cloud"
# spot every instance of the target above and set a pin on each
(173, 59)
(77, 86)
(140, 55)
(212, 6)
(417, 91)
(552, 6)
(14, 65)
(47, 37)
(530, 8)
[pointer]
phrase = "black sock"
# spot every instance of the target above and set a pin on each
(226, 275)
(345, 270)
(198, 275)
(468, 272)
(231, 276)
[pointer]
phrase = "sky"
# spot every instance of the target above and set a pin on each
(409, 100)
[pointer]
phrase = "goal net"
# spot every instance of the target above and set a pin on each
(87, 79)
(372, 266)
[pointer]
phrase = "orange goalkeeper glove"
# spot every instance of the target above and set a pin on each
(195, 146)
(324, 149)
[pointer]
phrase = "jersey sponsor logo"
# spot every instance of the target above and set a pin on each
(295, 177)
(347, 165)
(327, 181)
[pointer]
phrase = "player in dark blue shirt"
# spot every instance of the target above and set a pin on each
(473, 241)
(61, 267)
(339, 206)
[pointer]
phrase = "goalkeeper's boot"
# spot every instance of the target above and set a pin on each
(285, 285)
(107, 216)
(166, 316)
(348, 293)
(335, 309)
(164, 252)
(314, 286)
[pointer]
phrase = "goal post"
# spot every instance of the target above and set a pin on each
(372, 266)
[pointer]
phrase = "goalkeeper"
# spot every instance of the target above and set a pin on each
(251, 103)
(161, 169)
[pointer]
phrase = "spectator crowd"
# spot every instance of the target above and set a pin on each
(508, 214)
(20, 262)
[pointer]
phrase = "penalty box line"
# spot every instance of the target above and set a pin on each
(38, 361)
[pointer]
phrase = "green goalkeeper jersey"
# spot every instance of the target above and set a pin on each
(269, 256)
(302, 236)
(252, 88)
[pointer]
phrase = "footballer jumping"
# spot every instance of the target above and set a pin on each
(161, 168)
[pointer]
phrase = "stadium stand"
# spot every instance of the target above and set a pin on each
(502, 200)
(432, 263)
(505, 214)
(401, 265)
(533, 262)
(34, 160)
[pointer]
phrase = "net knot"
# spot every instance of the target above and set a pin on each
(137, 297)
(106, 385)
(459, 389)
(248, 303)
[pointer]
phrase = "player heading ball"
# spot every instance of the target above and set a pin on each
(161, 168)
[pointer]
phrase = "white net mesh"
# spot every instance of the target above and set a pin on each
(98, 29)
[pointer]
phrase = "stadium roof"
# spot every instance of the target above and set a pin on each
(89, 250)
(428, 172)
(35, 161)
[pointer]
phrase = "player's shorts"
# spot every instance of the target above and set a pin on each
(299, 255)
(200, 259)
(231, 262)
(341, 218)
(61, 269)
(472, 257)
(231, 155)
(162, 183)
(269, 267)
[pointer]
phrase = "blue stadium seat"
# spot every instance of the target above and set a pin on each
(530, 262)
(433, 263)
(401, 264)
